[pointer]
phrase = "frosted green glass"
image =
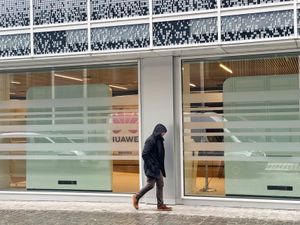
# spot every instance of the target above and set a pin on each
(65, 163)
(261, 126)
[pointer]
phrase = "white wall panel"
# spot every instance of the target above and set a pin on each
(157, 107)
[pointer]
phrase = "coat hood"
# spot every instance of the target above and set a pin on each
(159, 128)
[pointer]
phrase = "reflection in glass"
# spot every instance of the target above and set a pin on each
(70, 129)
(240, 126)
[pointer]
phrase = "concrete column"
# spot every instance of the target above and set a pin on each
(157, 106)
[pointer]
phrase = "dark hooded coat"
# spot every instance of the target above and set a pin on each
(154, 153)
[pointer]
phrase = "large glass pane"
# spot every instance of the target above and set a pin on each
(253, 26)
(63, 41)
(70, 129)
(101, 10)
(183, 32)
(15, 13)
(120, 37)
(14, 45)
(178, 6)
(241, 127)
(59, 11)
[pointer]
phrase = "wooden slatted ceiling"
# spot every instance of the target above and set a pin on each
(214, 75)
(120, 76)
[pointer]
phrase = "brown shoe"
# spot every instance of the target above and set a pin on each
(163, 207)
(135, 202)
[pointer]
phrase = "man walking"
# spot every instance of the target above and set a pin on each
(154, 167)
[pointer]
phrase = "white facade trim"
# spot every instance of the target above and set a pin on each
(31, 30)
(120, 23)
(93, 61)
(8, 29)
(51, 193)
(295, 20)
(251, 11)
(226, 199)
(258, 40)
(55, 25)
(151, 23)
(89, 25)
(185, 15)
(182, 174)
(271, 7)
(219, 22)
(15, 31)
(120, 50)
(61, 28)
(140, 127)
(185, 46)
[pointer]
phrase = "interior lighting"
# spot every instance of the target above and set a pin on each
(225, 68)
(15, 82)
(118, 87)
(68, 77)
(193, 85)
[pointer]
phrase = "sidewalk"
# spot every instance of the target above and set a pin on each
(42, 212)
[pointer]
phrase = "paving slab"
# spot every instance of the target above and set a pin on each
(49, 212)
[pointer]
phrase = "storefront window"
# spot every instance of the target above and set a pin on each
(241, 127)
(71, 129)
